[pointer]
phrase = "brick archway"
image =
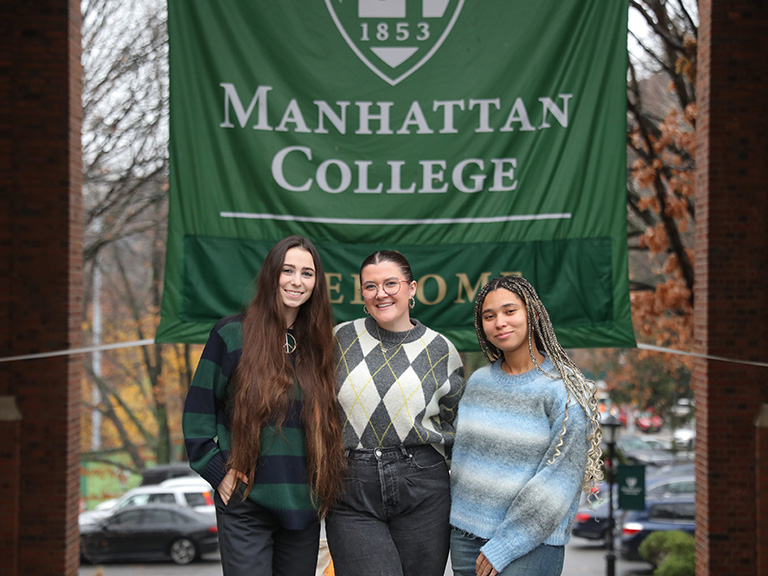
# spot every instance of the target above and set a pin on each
(41, 286)
(731, 300)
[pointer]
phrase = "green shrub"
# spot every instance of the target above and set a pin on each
(676, 566)
(674, 553)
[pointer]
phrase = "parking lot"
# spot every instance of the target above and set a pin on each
(582, 558)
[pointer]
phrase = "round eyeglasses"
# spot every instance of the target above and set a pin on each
(391, 286)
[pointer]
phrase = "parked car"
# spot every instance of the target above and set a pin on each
(185, 481)
(638, 451)
(683, 407)
(592, 524)
(648, 421)
(677, 468)
(656, 443)
(685, 437)
(683, 484)
(194, 493)
(151, 532)
(659, 515)
(162, 472)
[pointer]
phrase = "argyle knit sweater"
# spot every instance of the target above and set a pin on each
(397, 388)
(281, 481)
(503, 487)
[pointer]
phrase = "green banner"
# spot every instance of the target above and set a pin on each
(631, 482)
(477, 138)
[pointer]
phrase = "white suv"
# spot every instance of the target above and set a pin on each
(194, 493)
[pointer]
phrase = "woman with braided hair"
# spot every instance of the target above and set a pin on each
(527, 442)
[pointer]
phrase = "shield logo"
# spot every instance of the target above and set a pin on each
(394, 38)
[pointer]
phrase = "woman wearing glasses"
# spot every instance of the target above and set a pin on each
(398, 385)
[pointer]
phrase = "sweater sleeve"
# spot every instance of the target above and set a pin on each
(449, 402)
(546, 499)
(205, 406)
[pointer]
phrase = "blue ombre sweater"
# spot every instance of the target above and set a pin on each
(502, 488)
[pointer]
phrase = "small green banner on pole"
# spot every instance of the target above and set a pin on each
(631, 482)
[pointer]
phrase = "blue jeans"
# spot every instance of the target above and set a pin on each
(543, 560)
(393, 517)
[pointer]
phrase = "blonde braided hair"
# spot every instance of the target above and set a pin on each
(541, 334)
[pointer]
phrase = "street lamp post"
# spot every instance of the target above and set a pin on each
(610, 426)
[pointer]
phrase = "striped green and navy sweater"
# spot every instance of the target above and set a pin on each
(281, 482)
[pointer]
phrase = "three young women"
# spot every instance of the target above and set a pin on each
(261, 422)
(527, 442)
(399, 384)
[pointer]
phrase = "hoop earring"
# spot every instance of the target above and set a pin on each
(365, 310)
(411, 303)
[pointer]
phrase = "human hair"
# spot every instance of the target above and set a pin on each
(389, 256)
(541, 334)
(264, 378)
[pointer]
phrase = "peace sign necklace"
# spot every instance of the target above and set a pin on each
(290, 343)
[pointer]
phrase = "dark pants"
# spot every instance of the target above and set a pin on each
(252, 543)
(392, 519)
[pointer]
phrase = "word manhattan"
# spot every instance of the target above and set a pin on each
(334, 175)
(376, 117)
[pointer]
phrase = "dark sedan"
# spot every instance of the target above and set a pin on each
(150, 532)
(659, 515)
(591, 524)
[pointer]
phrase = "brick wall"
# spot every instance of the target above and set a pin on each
(761, 480)
(731, 311)
(40, 282)
(41, 286)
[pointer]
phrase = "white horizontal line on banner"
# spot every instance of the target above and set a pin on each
(397, 222)
(69, 351)
(697, 355)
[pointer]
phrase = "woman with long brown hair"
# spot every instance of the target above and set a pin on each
(261, 423)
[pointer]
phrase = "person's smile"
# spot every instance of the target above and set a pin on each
(294, 293)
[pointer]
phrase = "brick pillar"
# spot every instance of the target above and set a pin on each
(10, 476)
(731, 298)
(761, 480)
(40, 282)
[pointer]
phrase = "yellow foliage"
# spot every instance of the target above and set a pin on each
(130, 373)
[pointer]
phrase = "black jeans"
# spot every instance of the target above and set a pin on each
(252, 543)
(393, 518)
